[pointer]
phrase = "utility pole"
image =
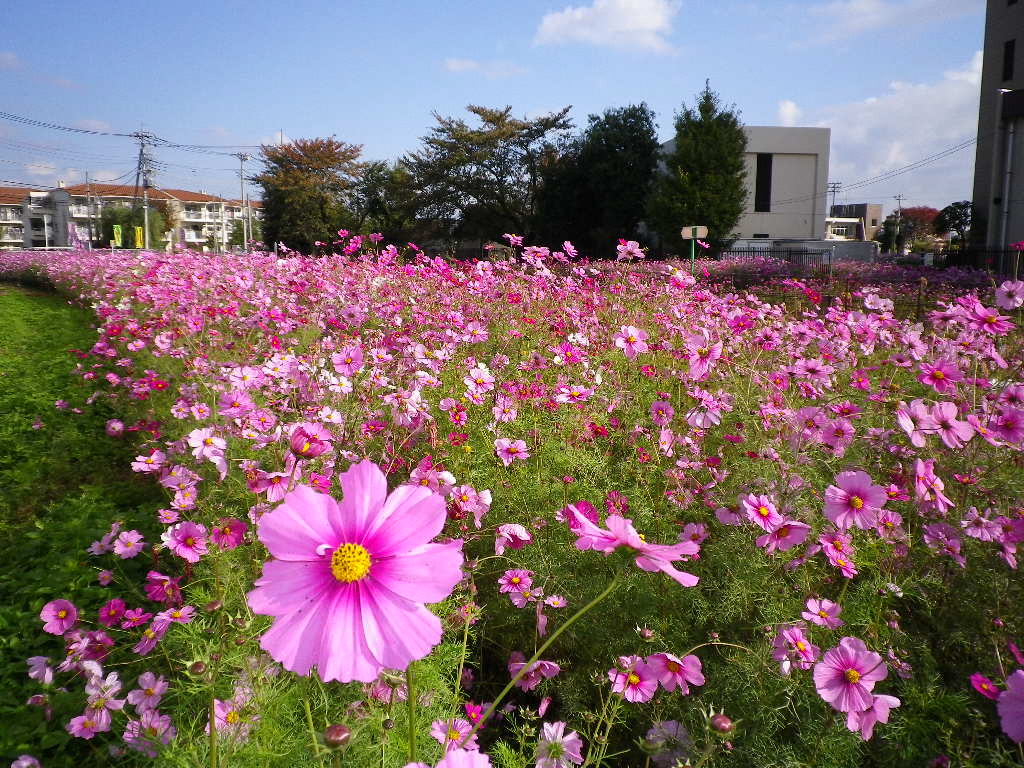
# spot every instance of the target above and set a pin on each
(899, 218)
(833, 187)
(88, 206)
(242, 201)
(144, 168)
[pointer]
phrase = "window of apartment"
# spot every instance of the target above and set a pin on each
(841, 231)
(763, 183)
(761, 235)
(874, 222)
(1008, 54)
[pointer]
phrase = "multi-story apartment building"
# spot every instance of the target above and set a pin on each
(69, 216)
(998, 218)
(869, 215)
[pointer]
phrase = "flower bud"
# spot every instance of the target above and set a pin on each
(721, 723)
(337, 736)
(197, 668)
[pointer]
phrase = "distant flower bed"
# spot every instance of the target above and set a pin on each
(539, 511)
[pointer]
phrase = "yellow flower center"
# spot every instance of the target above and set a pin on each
(350, 562)
(763, 511)
(852, 676)
(823, 614)
(801, 645)
(62, 614)
(856, 502)
(938, 375)
(191, 542)
(149, 692)
(232, 717)
(454, 735)
(633, 678)
(672, 666)
(516, 579)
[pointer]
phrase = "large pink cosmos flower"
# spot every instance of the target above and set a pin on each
(855, 500)
(1011, 707)
(58, 616)
(846, 674)
(349, 580)
(634, 679)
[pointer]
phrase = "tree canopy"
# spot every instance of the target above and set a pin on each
(703, 182)
(306, 184)
(484, 179)
(596, 191)
(955, 217)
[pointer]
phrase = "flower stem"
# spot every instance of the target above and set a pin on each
(715, 642)
(410, 699)
(214, 757)
(540, 651)
(312, 730)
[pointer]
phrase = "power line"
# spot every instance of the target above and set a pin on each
(55, 126)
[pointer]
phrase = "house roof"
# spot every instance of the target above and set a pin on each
(13, 195)
(155, 193)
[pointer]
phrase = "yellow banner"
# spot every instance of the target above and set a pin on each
(138, 237)
(117, 235)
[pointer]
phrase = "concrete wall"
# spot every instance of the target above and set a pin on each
(799, 182)
(1002, 22)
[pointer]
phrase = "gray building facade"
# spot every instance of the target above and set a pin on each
(999, 160)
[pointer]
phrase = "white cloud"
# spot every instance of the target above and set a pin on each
(492, 70)
(92, 125)
(906, 123)
(9, 60)
(625, 24)
(841, 19)
(789, 113)
(461, 65)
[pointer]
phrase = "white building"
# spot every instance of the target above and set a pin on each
(62, 216)
(787, 182)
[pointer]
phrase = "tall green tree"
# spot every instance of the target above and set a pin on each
(386, 200)
(483, 179)
(955, 217)
(704, 179)
(306, 186)
(129, 218)
(596, 191)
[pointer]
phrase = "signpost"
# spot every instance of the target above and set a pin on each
(693, 234)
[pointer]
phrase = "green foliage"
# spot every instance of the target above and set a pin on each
(956, 218)
(485, 180)
(703, 183)
(385, 200)
(129, 218)
(595, 191)
(306, 184)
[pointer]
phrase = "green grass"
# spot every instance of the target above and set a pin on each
(60, 487)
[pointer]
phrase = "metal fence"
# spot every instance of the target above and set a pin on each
(1006, 263)
(804, 263)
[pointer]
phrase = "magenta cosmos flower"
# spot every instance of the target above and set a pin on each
(846, 674)
(1011, 707)
(634, 679)
(349, 580)
(824, 613)
(510, 450)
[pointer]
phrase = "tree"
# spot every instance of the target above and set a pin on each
(385, 200)
(596, 191)
(704, 179)
(236, 238)
(484, 179)
(306, 184)
(917, 221)
(129, 218)
(955, 217)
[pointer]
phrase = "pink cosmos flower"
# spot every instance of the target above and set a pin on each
(621, 533)
(349, 580)
(634, 679)
(928, 487)
(229, 532)
(58, 616)
(450, 734)
(187, 540)
(662, 413)
(1011, 707)
(823, 612)
(151, 730)
(558, 749)
(128, 544)
(847, 673)
(761, 510)
(784, 536)
(515, 581)
(953, 432)
(864, 721)
(988, 320)
(510, 450)
(151, 635)
(674, 672)
(632, 341)
(792, 647)
(511, 536)
(228, 719)
(854, 501)
(86, 726)
(536, 672)
(147, 696)
(941, 376)
(111, 613)
(1010, 295)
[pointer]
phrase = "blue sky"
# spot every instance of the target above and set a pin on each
(896, 80)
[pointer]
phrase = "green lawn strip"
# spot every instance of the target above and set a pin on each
(61, 485)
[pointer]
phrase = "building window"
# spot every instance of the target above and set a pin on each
(761, 235)
(763, 183)
(1008, 53)
(874, 222)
